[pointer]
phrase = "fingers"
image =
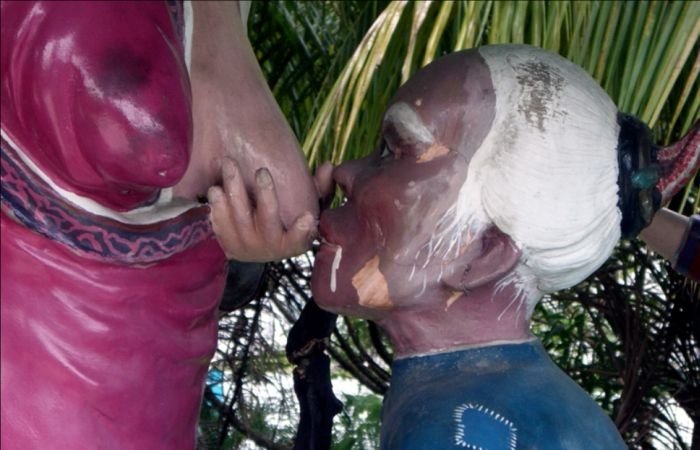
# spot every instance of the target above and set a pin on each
(231, 215)
(250, 233)
(237, 199)
(267, 216)
(224, 229)
(299, 236)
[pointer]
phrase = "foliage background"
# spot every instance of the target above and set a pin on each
(628, 334)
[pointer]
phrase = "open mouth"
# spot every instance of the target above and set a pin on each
(327, 232)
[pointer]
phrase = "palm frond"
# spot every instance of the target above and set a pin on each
(644, 54)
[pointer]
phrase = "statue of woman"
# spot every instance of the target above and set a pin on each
(497, 180)
(116, 118)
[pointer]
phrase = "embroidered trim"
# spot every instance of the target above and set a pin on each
(35, 205)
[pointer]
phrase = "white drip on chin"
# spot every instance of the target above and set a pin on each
(335, 265)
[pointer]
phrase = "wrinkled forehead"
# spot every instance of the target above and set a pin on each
(452, 101)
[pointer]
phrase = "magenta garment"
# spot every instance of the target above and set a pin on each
(107, 327)
(102, 356)
(98, 94)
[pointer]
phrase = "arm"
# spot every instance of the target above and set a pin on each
(675, 237)
(665, 234)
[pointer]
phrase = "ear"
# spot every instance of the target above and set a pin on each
(497, 258)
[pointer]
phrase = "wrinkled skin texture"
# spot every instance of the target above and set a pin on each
(467, 369)
(110, 351)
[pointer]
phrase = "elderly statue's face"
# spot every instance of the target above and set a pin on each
(379, 251)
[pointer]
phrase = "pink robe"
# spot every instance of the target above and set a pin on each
(107, 326)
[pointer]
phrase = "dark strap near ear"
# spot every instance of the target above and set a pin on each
(639, 172)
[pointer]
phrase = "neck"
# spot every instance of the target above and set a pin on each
(484, 316)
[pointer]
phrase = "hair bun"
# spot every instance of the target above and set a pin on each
(639, 173)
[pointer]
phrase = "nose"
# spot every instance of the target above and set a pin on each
(344, 175)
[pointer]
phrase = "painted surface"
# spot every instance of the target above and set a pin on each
(405, 180)
(98, 95)
(495, 181)
(403, 262)
(99, 355)
(141, 237)
(110, 287)
(546, 174)
(502, 397)
(110, 272)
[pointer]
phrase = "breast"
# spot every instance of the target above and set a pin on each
(98, 95)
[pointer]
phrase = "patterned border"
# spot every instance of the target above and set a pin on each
(35, 205)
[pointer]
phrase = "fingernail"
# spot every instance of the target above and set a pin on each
(263, 177)
(307, 222)
(229, 168)
(214, 195)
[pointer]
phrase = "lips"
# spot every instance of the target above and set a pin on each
(327, 228)
(344, 227)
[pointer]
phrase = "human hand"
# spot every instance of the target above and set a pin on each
(249, 227)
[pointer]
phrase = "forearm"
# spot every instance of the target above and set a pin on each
(665, 234)
(676, 238)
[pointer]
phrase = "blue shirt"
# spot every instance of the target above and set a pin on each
(501, 397)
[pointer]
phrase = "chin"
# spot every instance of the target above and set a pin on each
(340, 300)
(344, 300)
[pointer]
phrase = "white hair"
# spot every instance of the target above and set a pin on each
(546, 173)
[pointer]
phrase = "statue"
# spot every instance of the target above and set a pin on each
(497, 180)
(116, 118)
